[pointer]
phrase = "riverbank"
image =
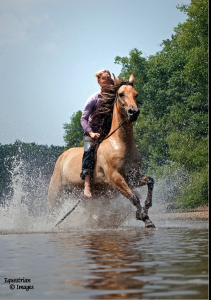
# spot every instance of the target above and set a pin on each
(201, 212)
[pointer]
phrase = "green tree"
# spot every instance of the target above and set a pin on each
(73, 136)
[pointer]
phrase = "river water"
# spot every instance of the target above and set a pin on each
(121, 262)
(99, 252)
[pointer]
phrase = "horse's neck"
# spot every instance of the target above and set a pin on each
(125, 133)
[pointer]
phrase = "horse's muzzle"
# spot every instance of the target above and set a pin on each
(133, 114)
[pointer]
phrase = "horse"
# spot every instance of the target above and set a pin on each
(118, 161)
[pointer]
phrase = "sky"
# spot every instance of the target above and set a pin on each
(50, 50)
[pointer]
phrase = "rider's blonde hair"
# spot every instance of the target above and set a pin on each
(99, 73)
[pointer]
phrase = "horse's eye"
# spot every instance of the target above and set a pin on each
(121, 94)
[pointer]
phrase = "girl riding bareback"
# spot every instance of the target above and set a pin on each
(92, 131)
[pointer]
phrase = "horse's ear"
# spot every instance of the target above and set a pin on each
(116, 81)
(131, 79)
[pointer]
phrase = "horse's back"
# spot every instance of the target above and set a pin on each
(68, 167)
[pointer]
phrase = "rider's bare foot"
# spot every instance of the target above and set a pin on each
(87, 191)
(87, 188)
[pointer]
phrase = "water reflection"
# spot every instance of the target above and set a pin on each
(138, 264)
(118, 264)
(108, 264)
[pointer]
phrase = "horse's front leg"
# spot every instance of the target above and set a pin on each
(146, 180)
(117, 180)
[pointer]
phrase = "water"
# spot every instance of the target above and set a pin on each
(99, 252)
(132, 263)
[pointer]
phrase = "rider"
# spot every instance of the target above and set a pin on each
(91, 131)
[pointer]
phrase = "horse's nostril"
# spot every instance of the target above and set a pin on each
(132, 111)
(133, 114)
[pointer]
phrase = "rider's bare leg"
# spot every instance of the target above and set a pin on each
(87, 187)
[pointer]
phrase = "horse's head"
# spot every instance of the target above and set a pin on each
(127, 98)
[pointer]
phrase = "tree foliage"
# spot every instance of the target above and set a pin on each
(73, 136)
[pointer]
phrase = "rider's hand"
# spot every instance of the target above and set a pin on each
(94, 135)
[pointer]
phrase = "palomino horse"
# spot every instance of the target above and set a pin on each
(118, 161)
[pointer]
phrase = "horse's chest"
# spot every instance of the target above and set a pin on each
(130, 161)
(126, 163)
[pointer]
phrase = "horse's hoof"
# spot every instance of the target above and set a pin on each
(149, 225)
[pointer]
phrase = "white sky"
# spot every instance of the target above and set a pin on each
(50, 50)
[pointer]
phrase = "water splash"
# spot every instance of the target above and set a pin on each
(23, 210)
(26, 211)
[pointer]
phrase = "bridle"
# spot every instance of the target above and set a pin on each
(115, 102)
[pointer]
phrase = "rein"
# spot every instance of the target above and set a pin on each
(120, 125)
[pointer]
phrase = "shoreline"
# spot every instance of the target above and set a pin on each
(201, 212)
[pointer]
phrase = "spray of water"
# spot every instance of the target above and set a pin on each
(27, 210)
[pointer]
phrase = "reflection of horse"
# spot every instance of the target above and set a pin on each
(119, 260)
(113, 263)
(118, 162)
